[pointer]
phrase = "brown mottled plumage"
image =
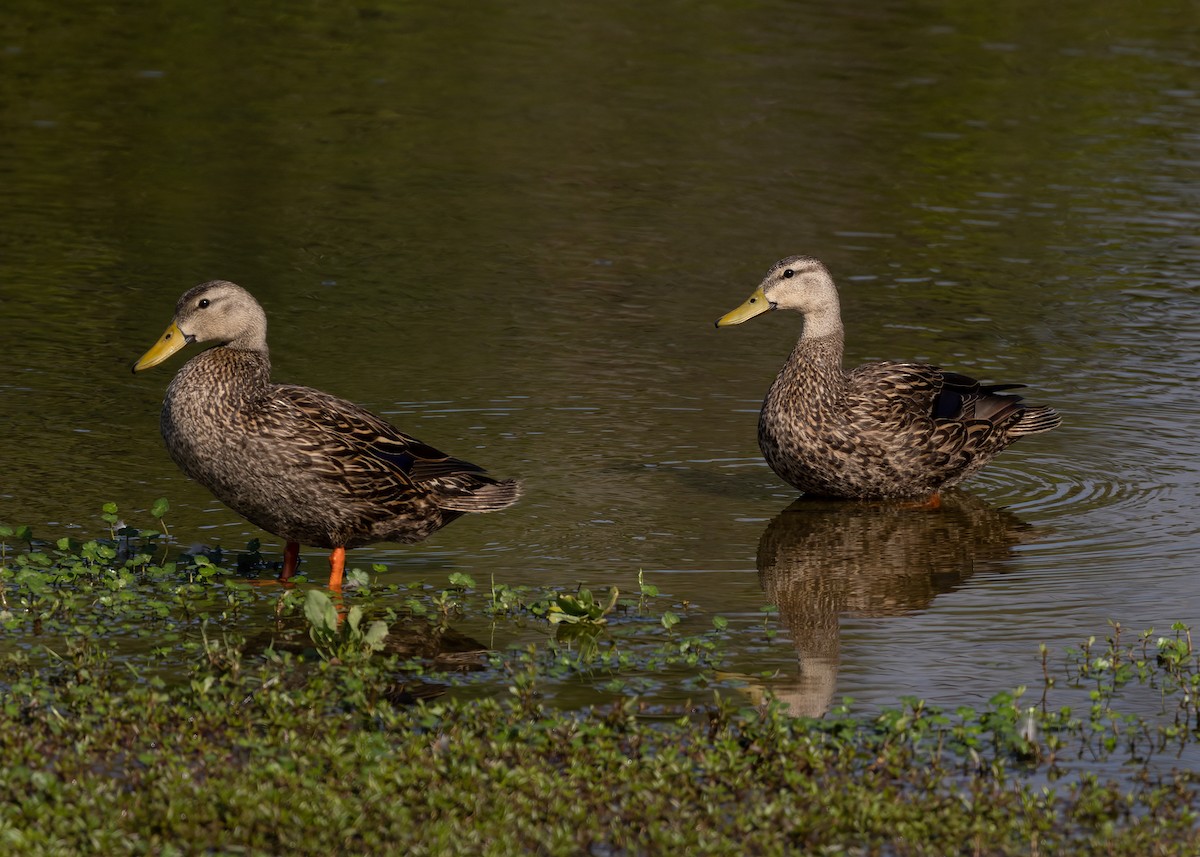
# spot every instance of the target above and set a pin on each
(302, 464)
(883, 430)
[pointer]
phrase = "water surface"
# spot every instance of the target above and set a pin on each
(509, 231)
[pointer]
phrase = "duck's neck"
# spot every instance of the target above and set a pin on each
(814, 367)
(823, 324)
(252, 339)
(227, 372)
(252, 366)
(806, 398)
(818, 352)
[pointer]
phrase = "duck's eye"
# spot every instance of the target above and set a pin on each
(788, 274)
(204, 302)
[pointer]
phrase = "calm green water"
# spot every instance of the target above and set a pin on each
(508, 227)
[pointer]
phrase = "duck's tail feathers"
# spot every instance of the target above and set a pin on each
(485, 496)
(1035, 420)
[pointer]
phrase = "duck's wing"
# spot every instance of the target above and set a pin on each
(963, 398)
(893, 396)
(954, 409)
(342, 441)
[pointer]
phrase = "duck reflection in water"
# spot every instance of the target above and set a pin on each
(820, 560)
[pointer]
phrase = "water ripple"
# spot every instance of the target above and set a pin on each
(1051, 489)
(1085, 517)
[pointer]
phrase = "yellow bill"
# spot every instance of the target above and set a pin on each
(167, 344)
(756, 304)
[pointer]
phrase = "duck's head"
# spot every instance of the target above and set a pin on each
(217, 311)
(798, 283)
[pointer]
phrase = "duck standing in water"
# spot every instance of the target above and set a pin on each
(881, 431)
(307, 466)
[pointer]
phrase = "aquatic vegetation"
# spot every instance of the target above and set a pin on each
(150, 706)
(341, 638)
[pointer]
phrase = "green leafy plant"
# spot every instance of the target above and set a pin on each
(159, 511)
(581, 607)
(337, 640)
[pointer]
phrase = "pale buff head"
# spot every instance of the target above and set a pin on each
(216, 311)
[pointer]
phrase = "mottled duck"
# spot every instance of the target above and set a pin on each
(309, 467)
(881, 431)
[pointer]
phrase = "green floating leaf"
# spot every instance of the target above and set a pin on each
(463, 580)
(109, 508)
(160, 507)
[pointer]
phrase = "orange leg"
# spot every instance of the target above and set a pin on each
(931, 505)
(337, 564)
(291, 557)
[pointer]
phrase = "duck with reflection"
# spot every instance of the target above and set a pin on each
(883, 430)
(821, 560)
(307, 466)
